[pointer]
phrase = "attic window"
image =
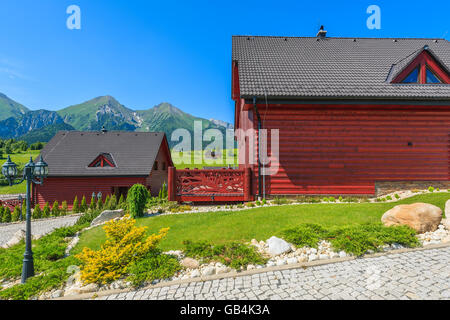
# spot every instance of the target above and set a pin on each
(431, 77)
(424, 69)
(413, 77)
(104, 160)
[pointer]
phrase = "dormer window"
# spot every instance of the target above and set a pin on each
(104, 160)
(424, 69)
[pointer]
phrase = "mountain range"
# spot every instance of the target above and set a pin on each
(19, 122)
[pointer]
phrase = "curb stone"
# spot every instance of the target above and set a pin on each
(249, 272)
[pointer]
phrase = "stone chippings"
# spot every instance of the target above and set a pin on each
(410, 275)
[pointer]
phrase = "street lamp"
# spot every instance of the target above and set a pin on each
(33, 173)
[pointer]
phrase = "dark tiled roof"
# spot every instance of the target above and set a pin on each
(69, 153)
(293, 67)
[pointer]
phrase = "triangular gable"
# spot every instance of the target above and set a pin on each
(104, 160)
(425, 68)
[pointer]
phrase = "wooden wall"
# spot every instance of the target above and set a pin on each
(345, 149)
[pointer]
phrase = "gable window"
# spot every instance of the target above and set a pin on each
(413, 77)
(163, 166)
(155, 165)
(104, 160)
(424, 69)
(431, 77)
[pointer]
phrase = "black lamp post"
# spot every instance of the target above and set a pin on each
(31, 173)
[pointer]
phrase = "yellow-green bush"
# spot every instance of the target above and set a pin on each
(125, 244)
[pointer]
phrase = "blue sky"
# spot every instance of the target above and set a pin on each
(147, 52)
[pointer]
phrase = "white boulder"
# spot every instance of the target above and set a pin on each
(278, 246)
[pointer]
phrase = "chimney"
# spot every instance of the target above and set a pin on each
(322, 33)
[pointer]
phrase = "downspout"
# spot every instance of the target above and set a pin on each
(259, 143)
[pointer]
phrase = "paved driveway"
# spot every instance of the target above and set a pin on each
(38, 227)
(411, 275)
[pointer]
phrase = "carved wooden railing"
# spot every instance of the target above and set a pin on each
(209, 185)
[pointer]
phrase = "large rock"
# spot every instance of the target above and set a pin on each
(16, 238)
(278, 246)
(106, 216)
(446, 222)
(422, 217)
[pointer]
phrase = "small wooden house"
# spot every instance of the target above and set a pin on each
(83, 163)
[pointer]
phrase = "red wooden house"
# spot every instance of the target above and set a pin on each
(82, 163)
(355, 115)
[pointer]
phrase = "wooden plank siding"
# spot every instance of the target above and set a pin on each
(66, 188)
(345, 149)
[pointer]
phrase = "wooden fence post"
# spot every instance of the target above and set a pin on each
(247, 184)
(171, 187)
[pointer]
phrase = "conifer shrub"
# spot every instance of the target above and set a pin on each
(64, 208)
(112, 205)
(46, 211)
(84, 205)
(2, 209)
(75, 206)
(126, 243)
(15, 216)
(137, 199)
(55, 209)
(37, 212)
(93, 204)
(6, 217)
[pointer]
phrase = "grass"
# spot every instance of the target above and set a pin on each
(176, 156)
(258, 223)
(20, 159)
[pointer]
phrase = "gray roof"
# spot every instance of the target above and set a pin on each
(69, 153)
(308, 68)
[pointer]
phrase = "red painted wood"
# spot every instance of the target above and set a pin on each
(210, 185)
(345, 149)
(66, 188)
(423, 60)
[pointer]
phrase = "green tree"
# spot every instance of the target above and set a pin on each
(6, 215)
(99, 205)
(75, 206)
(37, 212)
(24, 211)
(46, 210)
(136, 199)
(93, 203)
(122, 203)
(112, 205)
(55, 209)
(2, 209)
(64, 208)
(106, 204)
(16, 214)
(84, 206)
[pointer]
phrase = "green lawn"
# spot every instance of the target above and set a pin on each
(20, 159)
(259, 223)
(178, 156)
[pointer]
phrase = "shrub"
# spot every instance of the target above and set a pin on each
(122, 203)
(280, 200)
(75, 206)
(83, 206)
(136, 199)
(437, 189)
(233, 254)
(16, 214)
(264, 201)
(99, 204)
(46, 210)
(332, 199)
(55, 209)
(88, 216)
(258, 203)
(6, 215)
(250, 204)
(396, 196)
(112, 202)
(389, 198)
(430, 188)
(325, 199)
(352, 239)
(37, 212)
(180, 208)
(2, 209)
(125, 245)
(341, 199)
(307, 234)
(64, 208)
(153, 265)
(93, 203)
(24, 211)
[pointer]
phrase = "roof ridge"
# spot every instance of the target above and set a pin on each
(368, 38)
